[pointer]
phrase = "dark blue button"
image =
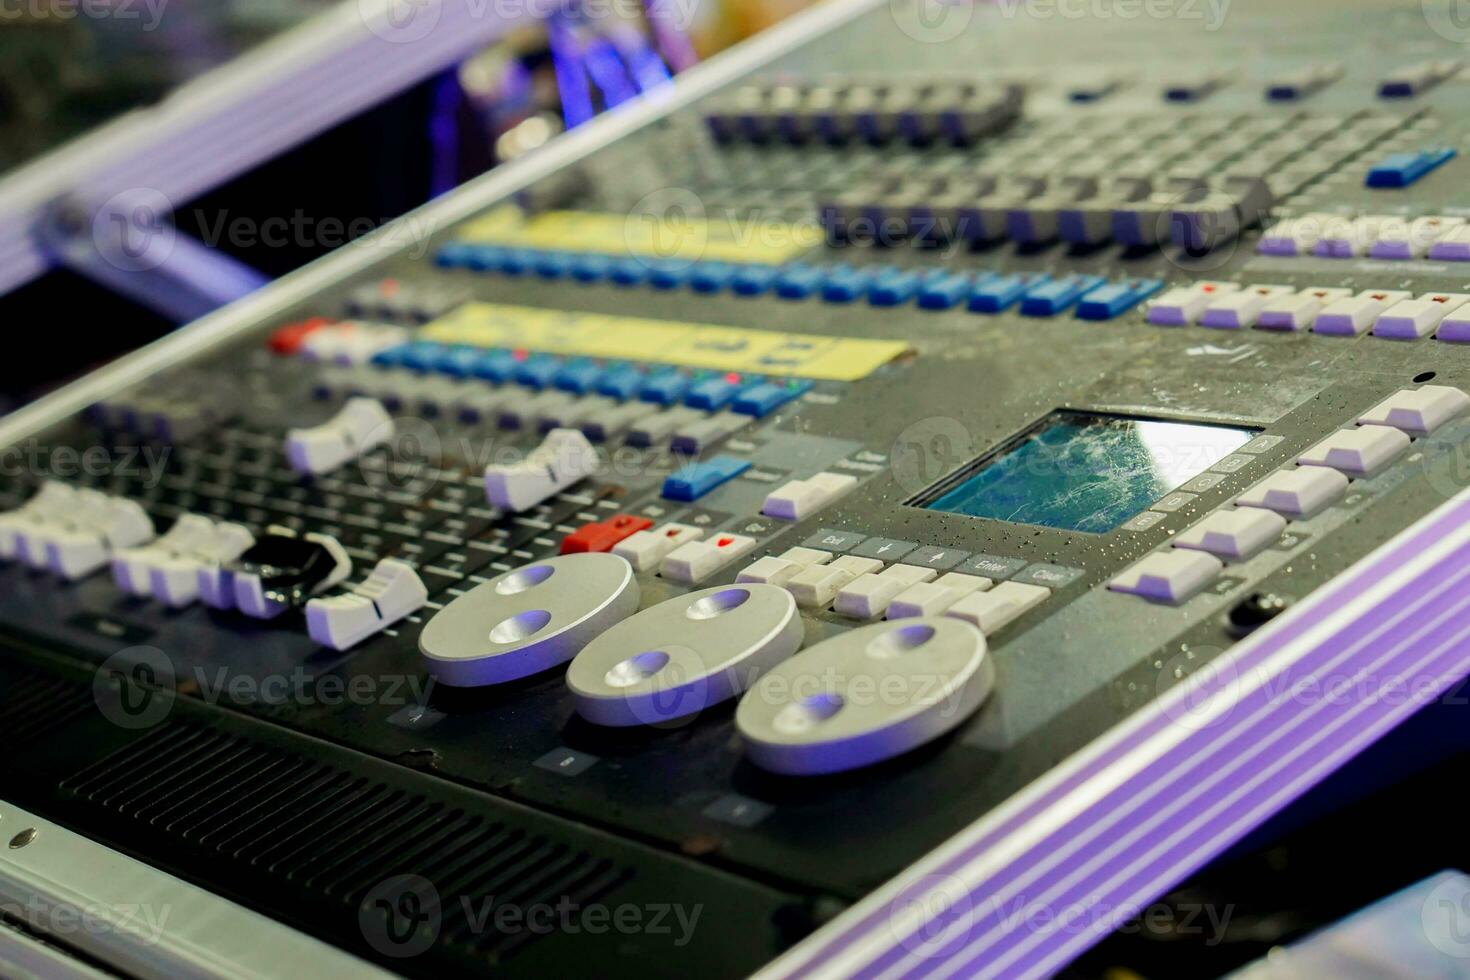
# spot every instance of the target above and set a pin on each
(712, 394)
(1052, 297)
(665, 274)
(516, 261)
(763, 399)
(620, 382)
(537, 371)
(946, 291)
(590, 268)
(799, 280)
(495, 365)
(458, 361)
(664, 388)
(552, 265)
(752, 280)
(895, 288)
(845, 283)
(628, 272)
(1115, 298)
(455, 255)
(697, 479)
(578, 377)
(711, 277)
(421, 355)
(393, 357)
(995, 294)
(484, 258)
(1402, 169)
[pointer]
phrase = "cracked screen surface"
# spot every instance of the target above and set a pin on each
(1083, 472)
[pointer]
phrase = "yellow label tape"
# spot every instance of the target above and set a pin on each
(696, 345)
(649, 235)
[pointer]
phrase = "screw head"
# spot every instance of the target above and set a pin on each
(23, 838)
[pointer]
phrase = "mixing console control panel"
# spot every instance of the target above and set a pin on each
(767, 507)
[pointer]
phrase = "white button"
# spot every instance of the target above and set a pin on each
(1170, 576)
(817, 586)
(1354, 315)
(933, 598)
(1455, 328)
(869, 595)
(1296, 311)
(801, 498)
(990, 610)
(646, 549)
(1414, 318)
(564, 457)
(1294, 236)
(53, 500)
(1418, 411)
(361, 425)
(697, 560)
(777, 570)
(1183, 305)
(1299, 492)
(391, 592)
(1357, 452)
(117, 524)
(351, 343)
(1236, 533)
(1400, 238)
(132, 568)
(1453, 245)
(1238, 309)
(1343, 238)
(180, 578)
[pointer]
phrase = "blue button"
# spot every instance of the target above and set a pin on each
(495, 365)
(552, 265)
(421, 355)
(455, 255)
(628, 272)
(763, 399)
(515, 261)
(895, 288)
(752, 280)
(458, 361)
(483, 258)
(590, 268)
(664, 388)
(712, 394)
(995, 294)
(1115, 298)
(945, 291)
(578, 377)
(665, 274)
(799, 280)
(711, 277)
(697, 479)
(393, 357)
(537, 371)
(1052, 297)
(1402, 169)
(620, 382)
(845, 284)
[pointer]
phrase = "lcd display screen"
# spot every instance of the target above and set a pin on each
(1080, 471)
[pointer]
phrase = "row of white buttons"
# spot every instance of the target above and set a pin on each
(1260, 513)
(681, 553)
(861, 588)
(72, 532)
(1328, 310)
(802, 498)
(1381, 236)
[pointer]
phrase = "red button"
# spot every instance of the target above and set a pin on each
(288, 339)
(604, 534)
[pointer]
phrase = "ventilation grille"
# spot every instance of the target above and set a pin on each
(334, 836)
(35, 703)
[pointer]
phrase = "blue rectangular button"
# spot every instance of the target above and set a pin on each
(515, 261)
(421, 355)
(711, 277)
(455, 255)
(590, 267)
(712, 394)
(668, 274)
(664, 388)
(895, 288)
(458, 361)
(994, 295)
(697, 479)
(1051, 298)
(845, 284)
(1115, 298)
(620, 382)
(628, 272)
(485, 258)
(552, 265)
(495, 365)
(578, 377)
(763, 399)
(1402, 169)
(537, 371)
(752, 280)
(946, 291)
(799, 280)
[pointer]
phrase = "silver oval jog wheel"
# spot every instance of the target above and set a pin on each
(528, 620)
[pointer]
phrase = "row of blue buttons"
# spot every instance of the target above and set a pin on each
(582, 376)
(937, 289)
